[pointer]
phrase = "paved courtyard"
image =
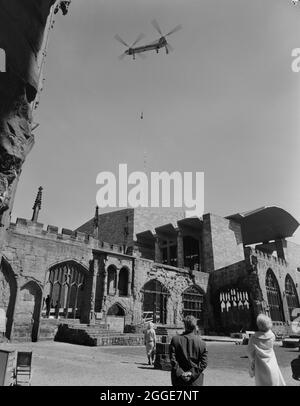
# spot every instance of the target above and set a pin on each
(61, 364)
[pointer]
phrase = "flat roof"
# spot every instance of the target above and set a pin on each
(265, 224)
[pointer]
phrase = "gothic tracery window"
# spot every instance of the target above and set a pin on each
(155, 301)
(192, 300)
(274, 297)
(65, 291)
(291, 294)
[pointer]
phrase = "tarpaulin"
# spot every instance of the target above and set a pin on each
(22, 25)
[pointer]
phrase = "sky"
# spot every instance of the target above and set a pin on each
(225, 102)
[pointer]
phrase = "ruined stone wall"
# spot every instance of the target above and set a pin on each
(29, 251)
(176, 281)
(222, 242)
(104, 299)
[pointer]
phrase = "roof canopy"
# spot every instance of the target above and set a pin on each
(265, 224)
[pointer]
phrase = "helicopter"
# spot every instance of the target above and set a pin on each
(156, 45)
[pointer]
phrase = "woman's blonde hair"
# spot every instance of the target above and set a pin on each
(264, 323)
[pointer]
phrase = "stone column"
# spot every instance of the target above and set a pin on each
(157, 250)
(117, 281)
(93, 291)
(180, 251)
(16, 304)
(104, 282)
(279, 248)
(285, 308)
(200, 256)
(129, 283)
(168, 253)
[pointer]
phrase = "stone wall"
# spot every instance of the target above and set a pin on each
(292, 256)
(175, 280)
(222, 242)
(112, 226)
(28, 254)
(149, 218)
(281, 269)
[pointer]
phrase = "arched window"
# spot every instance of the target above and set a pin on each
(123, 281)
(192, 300)
(66, 290)
(291, 294)
(155, 301)
(274, 297)
(111, 280)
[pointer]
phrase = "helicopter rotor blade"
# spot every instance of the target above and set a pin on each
(170, 48)
(157, 27)
(177, 28)
(118, 38)
(141, 36)
(121, 56)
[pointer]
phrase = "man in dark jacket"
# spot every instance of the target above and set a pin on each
(188, 356)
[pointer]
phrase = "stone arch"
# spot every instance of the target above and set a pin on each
(116, 309)
(123, 281)
(111, 279)
(291, 294)
(274, 297)
(64, 290)
(69, 260)
(8, 294)
(154, 303)
(29, 309)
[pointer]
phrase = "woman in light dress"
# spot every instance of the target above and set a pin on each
(150, 342)
(263, 363)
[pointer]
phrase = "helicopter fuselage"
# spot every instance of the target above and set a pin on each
(162, 42)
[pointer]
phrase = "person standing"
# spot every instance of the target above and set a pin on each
(150, 342)
(188, 356)
(263, 364)
(47, 302)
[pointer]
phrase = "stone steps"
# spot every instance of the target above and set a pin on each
(95, 336)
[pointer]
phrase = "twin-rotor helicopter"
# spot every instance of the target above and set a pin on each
(156, 45)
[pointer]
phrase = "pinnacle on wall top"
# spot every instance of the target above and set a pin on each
(37, 205)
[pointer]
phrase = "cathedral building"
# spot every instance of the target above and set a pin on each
(122, 268)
